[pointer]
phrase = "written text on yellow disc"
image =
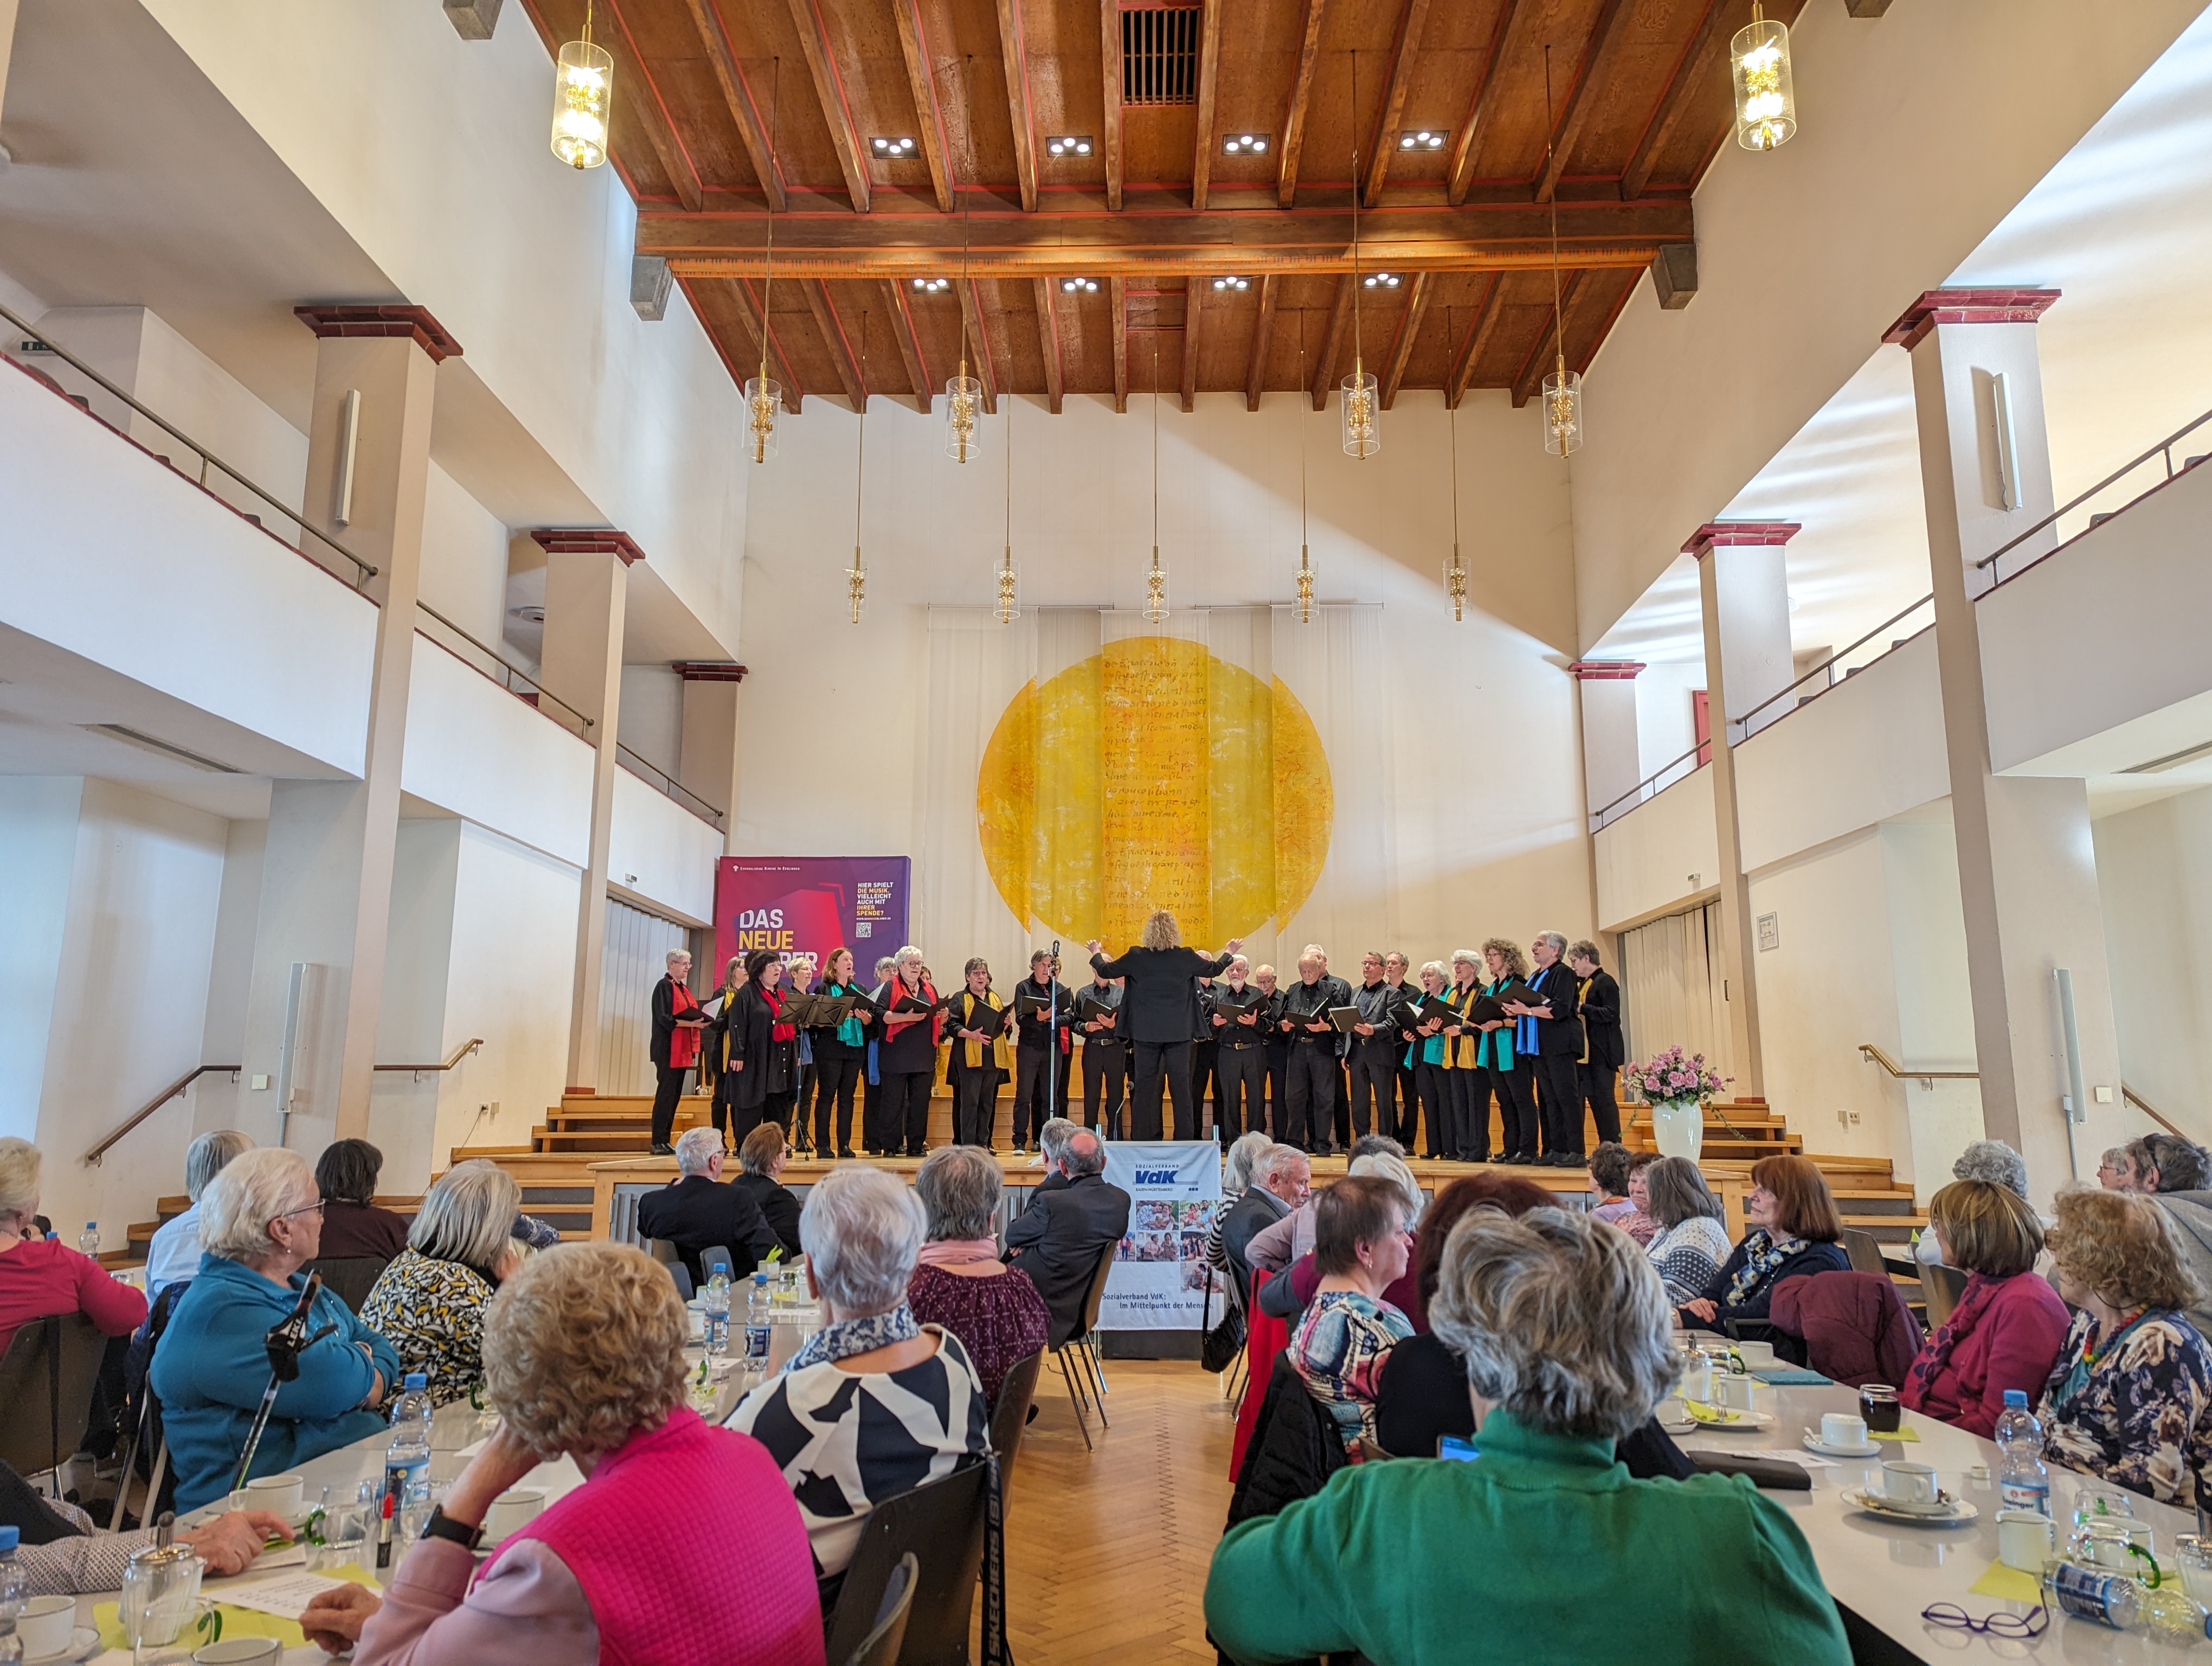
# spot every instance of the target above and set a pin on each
(1150, 775)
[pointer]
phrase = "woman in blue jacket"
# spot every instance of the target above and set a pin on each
(260, 1222)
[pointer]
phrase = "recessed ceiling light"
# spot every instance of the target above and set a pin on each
(1069, 144)
(1080, 286)
(892, 149)
(1422, 138)
(930, 286)
(1237, 144)
(1382, 280)
(1231, 282)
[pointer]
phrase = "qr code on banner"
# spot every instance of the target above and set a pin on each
(863, 928)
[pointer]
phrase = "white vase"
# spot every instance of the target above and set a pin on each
(1678, 1127)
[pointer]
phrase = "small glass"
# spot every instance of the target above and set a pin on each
(2096, 1504)
(2192, 1553)
(339, 1538)
(1879, 1406)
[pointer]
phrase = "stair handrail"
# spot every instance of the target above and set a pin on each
(363, 571)
(451, 1059)
(2164, 445)
(2150, 1110)
(1868, 1050)
(92, 1158)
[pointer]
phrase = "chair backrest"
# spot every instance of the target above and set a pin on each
(46, 1381)
(881, 1646)
(1012, 1414)
(349, 1278)
(1944, 1285)
(1096, 1294)
(716, 1255)
(941, 1524)
(1865, 1253)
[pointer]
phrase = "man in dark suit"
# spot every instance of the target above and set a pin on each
(1105, 1058)
(1059, 1238)
(1598, 1005)
(1548, 1031)
(1281, 1178)
(1279, 1049)
(761, 1159)
(1159, 1017)
(1315, 1048)
(696, 1210)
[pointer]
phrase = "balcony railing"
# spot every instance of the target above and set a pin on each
(503, 671)
(1652, 785)
(660, 779)
(2162, 451)
(1823, 677)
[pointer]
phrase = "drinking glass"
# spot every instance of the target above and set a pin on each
(2194, 1554)
(343, 1537)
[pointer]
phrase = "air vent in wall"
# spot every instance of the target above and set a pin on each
(1159, 54)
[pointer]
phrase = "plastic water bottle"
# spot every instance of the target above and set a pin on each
(2089, 1593)
(406, 1461)
(757, 1306)
(717, 1316)
(12, 1588)
(2023, 1483)
(89, 1239)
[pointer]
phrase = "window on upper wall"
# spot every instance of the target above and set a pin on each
(1159, 54)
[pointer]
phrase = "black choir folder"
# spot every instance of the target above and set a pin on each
(1231, 1006)
(817, 1012)
(1088, 1008)
(1344, 1018)
(916, 1006)
(1028, 1001)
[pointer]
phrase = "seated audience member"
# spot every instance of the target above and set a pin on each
(1285, 1297)
(174, 1254)
(2130, 1398)
(1692, 1241)
(1362, 1248)
(1282, 1178)
(1793, 1233)
(1990, 1160)
(352, 1224)
(260, 1223)
(2167, 1162)
(2007, 1329)
(1565, 1330)
(1059, 1238)
(2116, 1170)
(1052, 1151)
(696, 1211)
(1237, 1161)
(760, 1156)
(875, 1402)
(682, 1544)
(1512, 1194)
(64, 1554)
(39, 1276)
(429, 1303)
(1610, 1166)
(961, 1283)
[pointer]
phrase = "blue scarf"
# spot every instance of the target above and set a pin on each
(1762, 1254)
(850, 1336)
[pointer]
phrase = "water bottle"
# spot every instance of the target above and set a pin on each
(757, 1304)
(406, 1461)
(717, 1316)
(2023, 1483)
(89, 1239)
(12, 1588)
(2090, 1593)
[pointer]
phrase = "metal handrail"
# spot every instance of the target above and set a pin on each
(451, 1059)
(653, 775)
(513, 671)
(2165, 446)
(1598, 818)
(1739, 729)
(363, 570)
(2149, 1111)
(1868, 1050)
(155, 1103)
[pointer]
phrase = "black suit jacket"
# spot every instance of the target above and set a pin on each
(778, 1205)
(1158, 1003)
(1249, 1216)
(1058, 1239)
(1562, 1032)
(696, 1213)
(1600, 1016)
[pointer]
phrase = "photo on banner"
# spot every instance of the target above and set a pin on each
(810, 905)
(1160, 1273)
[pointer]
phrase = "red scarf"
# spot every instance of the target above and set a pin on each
(927, 993)
(683, 1042)
(778, 1031)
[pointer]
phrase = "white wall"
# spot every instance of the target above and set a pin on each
(464, 559)
(2154, 871)
(38, 852)
(653, 716)
(1660, 856)
(660, 853)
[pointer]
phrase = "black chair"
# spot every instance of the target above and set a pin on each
(716, 1257)
(1012, 1414)
(147, 1453)
(1944, 1285)
(1080, 1392)
(881, 1646)
(349, 1278)
(940, 1525)
(665, 1252)
(46, 1381)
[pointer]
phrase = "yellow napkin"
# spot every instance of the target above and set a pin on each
(236, 1623)
(2007, 1584)
(1894, 1434)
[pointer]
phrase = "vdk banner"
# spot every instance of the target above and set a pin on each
(1159, 1276)
(810, 905)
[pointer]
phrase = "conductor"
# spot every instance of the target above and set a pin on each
(1159, 1017)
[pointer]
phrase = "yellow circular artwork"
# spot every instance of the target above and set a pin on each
(1154, 774)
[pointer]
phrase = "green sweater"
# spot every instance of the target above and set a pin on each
(1541, 1550)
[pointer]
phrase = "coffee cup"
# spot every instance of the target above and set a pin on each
(1756, 1356)
(1843, 1431)
(1734, 1392)
(1908, 1483)
(240, 1651)
(2025, 1539)
(45, 1625)
(511, 1509)
(284, 1494)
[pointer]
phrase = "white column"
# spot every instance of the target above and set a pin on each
(2027, 874)
(709, 763)
(1611, 763)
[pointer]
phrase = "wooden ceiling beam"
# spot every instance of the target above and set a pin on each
(917, 367)
(748, 310)
(1192, 301)
(1699, 61)
(1048, 312)
(832, 329)
(1529, 381)
(1339, 326)
(1118, 288)
(1409, 325)
(1263, 332)
(1412, 21)
(1478, 338)
(1014, 53)
(929, 114)
(651, 114)
(1607, 35)
(971, 309)
(1460, 173)
(1209, 68)
(1110, 64)
(1292, 138)
(751, 129)
(830, 88)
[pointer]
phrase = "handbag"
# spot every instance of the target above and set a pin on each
(1219, 1346)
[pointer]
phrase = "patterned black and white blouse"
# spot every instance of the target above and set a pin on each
(432, 1312)
(846, 1440)
(2140, 1415)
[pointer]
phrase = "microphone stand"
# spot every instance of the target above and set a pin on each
(286, 1341)
(1051, 1041)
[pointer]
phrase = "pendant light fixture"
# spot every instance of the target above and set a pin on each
(763, 393)
(1363, 433)
(583, 100)
(1455, 568)
(1305, 553)
(1010, 603)
(1563, 389)
(963, 394)
(856, 575)
(1766, 94)
(1156, 582)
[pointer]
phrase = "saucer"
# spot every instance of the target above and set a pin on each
(83, 1641)
(1949, 1511)
(1813, 1442)
(1732, 1418)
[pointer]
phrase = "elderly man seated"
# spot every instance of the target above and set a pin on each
(696, 1211)
(174, 1254)
(1282, 1176)
(1564, 1326)
(1059, 1238)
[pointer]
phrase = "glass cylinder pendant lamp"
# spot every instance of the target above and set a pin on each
(1363, 435)
(1563, 410)
(763, 392)
(964, 399)
(583, 101)
(1766, 97)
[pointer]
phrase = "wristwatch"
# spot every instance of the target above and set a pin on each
(442, 1526)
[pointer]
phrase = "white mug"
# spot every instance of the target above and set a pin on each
(510, 1510)
(1845, 1432)
(1733, 1391)
(2025, 1539)
(1756, 1356)
(1908, 1483)
(45, 1625)
(284, 1494)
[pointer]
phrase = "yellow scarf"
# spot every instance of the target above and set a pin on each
(1459, 1051)
(973, 1058)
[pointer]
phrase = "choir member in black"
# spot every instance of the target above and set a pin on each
(1042, 1033)
(1105, 1056)
(1507, 1071)
(1279, 1050)
(716, 1080)
(906, 1057)
(1405, 1127)
(1160, 1017)
(763, 1049)
(1205, 1057)
(1550, 1033)
(1597, 1003)
(1241, 1064)
(1313, 1070)
(799, 980)
(1465, 1136)
(1428, 1048)
(839, 1057)
(879, 1143)
(977, 1021)
(1374, 1049)
(678, 1020)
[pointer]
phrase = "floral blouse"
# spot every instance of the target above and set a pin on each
(1338, 1348)
(2140, 1416)
(432, 1313)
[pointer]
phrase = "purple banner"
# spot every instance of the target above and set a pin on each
(810, 905)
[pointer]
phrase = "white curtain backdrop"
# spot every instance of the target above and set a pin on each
(636, 958)
(1671, 990)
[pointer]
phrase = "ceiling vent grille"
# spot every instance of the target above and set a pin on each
(1159, 54)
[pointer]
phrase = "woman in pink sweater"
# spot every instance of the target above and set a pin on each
(39, 1276)
(2009, 1325)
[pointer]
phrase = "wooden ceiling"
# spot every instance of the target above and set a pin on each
(737, 121)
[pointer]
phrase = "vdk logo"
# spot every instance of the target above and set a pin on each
(1155, 1177)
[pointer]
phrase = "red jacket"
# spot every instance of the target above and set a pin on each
(1856, 1329)
(2004, 1334)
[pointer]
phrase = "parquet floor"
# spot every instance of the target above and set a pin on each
(1107, 1550)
